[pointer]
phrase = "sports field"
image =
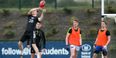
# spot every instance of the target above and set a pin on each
(57, 20)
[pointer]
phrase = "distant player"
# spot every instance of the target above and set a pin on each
(31, 22)
(38, 42)
(73, 38)
(102, 40)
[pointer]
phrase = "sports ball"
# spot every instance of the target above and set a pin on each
(42, 4)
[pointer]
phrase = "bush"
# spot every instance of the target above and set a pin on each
(90, 11)
(5, 12)
(9, 25)
(48, 34)
(52, 32)
(114, 32)
(110, 9)
(24, 12)
(67, 11)
(95, 23)
(112, 47)
(93, 32)
(8, 33)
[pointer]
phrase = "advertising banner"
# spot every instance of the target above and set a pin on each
(53, 50)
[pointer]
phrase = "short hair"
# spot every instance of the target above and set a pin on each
(104, 22)
(76, 20)
(30, 11)
(39, 22)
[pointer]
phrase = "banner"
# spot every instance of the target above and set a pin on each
(53, 50)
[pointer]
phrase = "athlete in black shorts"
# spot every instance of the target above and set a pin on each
(31, 22)
(38, 42)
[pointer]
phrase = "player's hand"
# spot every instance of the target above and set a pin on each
(43, 10)
(104, 47)
(94, 46)
(67, 47)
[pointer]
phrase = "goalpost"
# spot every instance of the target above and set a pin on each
(103, 9)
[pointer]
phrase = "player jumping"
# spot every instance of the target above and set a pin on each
(31, 22)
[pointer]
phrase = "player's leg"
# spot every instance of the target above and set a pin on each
(97, 51)
(77, 50)
(40, 50)
(39, 55)
(32, 55)
(105, 56)
(94, 55)
(32, 52)
(73, 51)
(36, 50)
(20, 43)
(104, 51)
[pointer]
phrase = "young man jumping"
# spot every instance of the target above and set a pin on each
(31, 22)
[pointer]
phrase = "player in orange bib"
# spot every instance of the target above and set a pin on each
(102, 40)
(73, 38)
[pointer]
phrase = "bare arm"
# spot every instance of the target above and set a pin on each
(67, 37)
(41, 17)
(95, 41)
(109, 38)
(35, 48)
(80, 40)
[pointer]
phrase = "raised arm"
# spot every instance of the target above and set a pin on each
(42, 15)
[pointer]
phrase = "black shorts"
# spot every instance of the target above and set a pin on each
(99, 49)
(39, 48)
(28, 35)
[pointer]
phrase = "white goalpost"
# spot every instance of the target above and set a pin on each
(103, 9)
